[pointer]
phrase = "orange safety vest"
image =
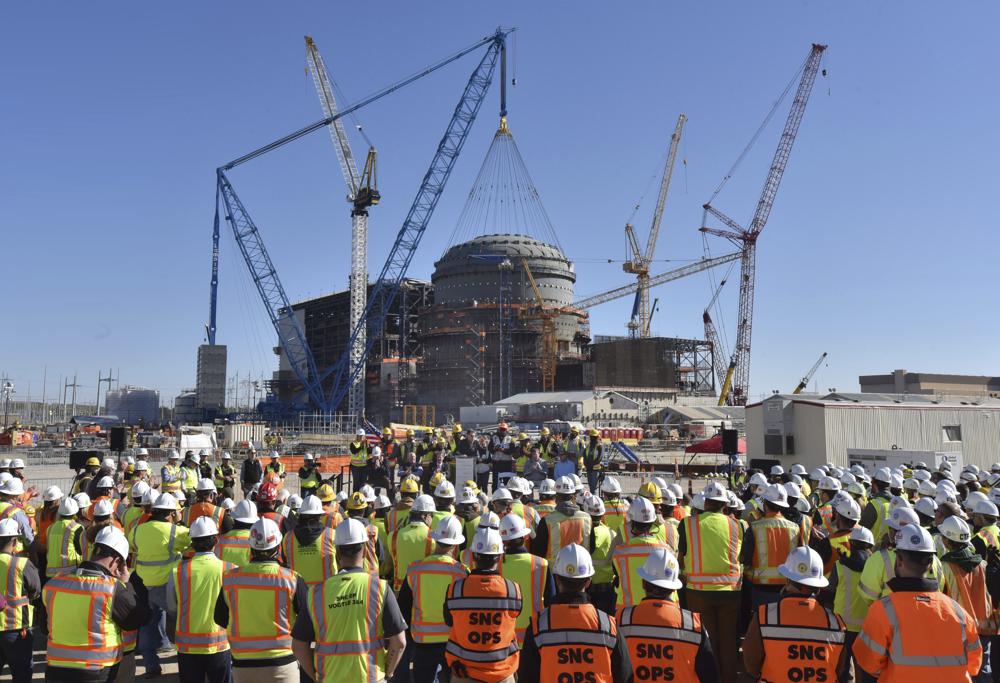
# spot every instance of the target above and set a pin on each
(663, 640)
(968, 589)
(826, 515)
(802, 640)
(275, 517)
(718, 569)
(918, 637)
(564, 530)
(575, 643)
(203, 509)
(774, 538)
(487, 651)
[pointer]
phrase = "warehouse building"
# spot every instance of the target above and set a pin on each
(813, 430)
(932, 384)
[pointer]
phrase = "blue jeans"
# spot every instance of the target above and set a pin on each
(592, 480)
(16, 652)
(153, 636)
(215, 668)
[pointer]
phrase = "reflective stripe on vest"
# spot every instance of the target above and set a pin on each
(879, 527)
(429, 581)
(627, 560)
(347, 618)
(61, 555)
(774, 538)
(795, 624)
(718, 568)
(529, 572)
(601, 555)
(576, 630)
(18, 613)
(899, 657)
(849, 602)
(316, 561)
(667, 637)
(234, 547)
(82, 634)
(416, 545)
(494, 657)
(261, 603)
(197, 583)
(564, 530)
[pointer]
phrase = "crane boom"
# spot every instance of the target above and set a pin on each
(341, 145)
(804, 382)
(661, 200)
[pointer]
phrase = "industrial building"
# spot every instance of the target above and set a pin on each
(813, 429)
(134, 405)
(903, 382)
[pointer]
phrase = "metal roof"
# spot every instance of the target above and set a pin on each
(707, 412)
(554, 397)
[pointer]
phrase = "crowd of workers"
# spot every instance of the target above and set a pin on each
(830, 575)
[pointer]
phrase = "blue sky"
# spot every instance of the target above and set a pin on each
(880, 249)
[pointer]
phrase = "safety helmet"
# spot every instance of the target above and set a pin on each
(409, 432)
(857, 470)
(911, 484)
(203, 526)
(206, 485)
(795, 479)
(102, 483)
(898, 501)
(926, 507)
(641, 511)
(501, 495)
(955, 529)
(149, 497)
(227, 456)
(326, 493)
(423, 503)
(798, 469)
(68, 507)
(294, 502)
(487, 541)
(409, 485)
(987, 508)
(862, 535)
(594, 506)
(758, 479)
(489, 519)
(91, 462)
(268, 492)
(565, 486)
(651, 492)
(387, 431)
(17, 464)
(471, 484)
(994, 496)
(449, 531)
(467, 496)
(382, 502)
(777, 470)
(847, 478)
(574, 562)
(142, 466)
(574, 430)
(817, 474)
(829, 484)
(883, 475)
(847, 507)
(545, 431)
(357, 501)
(804, 566)
(51, 494)
(456, 428)
(9, 528)
(902, 516)
(593, 432)
(444, 490)
(195, 458)
(668, 497)
(677, 490)
(735, 503)
(104, 508)
(360, 433)
(548, 487)
(792, 490)
(698, 501)
(967, 476)
(245, 511)
(512, 527)
(350, 532)
(165, 501)
(776, 495)
(661, 569)
(112, 537)
(311, 505)
(368, 492)
(436, 479)
(714, 490)
(922, 475)
(577, 482)
(82, 499)
(856, 489)
(973, 499)
(925, 488)
(914, 538)
(264, 534)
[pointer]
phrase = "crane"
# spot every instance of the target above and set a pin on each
(652, 310)
(547, 315)
(712, 336)
(638, 261)
(804, 382)
(362, 193)
(738, 375)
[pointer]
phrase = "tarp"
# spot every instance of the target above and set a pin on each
(713, 445)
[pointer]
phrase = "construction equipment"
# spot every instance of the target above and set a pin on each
(649, 320)
(546, 315)
(804, 382)
(639, 260)
(362, 193)
(738, 376)
(712, 336)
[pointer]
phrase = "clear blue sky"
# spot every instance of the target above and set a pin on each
(881, 249)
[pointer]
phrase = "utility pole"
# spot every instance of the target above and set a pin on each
(100, 379)
(7, 387)
(74, 385)
(45, 410)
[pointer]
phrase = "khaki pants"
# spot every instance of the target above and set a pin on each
(284, 673)
(720, 616)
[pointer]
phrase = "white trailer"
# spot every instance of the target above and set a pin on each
(873, 458)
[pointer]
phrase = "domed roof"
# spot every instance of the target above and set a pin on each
(502, 245)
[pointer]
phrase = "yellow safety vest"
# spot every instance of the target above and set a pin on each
(603, 538)
(410, 543)
(848, 602)
(189, 478)
(990, 535)
(61, 554)
(429, 580)
(82, 634)
(158, 548)
(397, 518)
(880, 526)
(261, 600)
(564, 530)
(171, 476)
(359, 453)
(529, 572)
(315, 562)
(197, 583)
(712, 561)
(234, 547)
(347, 619)
(880, 568)
(627, 559)
(19, 611)
(614, 516)
(220, 474)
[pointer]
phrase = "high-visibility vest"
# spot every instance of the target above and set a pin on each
(575, 642)
(275, 468)
(61, 554)
(880, 568)
(968, 589)
(990, 535)
(82, 634)
(661, 529)
(311, 480)
(221, 473)
(774, 538)
(44, 519)
(880, 525)
(489, 652)
(525, 512)
(429, 580)
(601, 555)
(197, 510)
(529, 572)
(189, 478)
(131, 519)
(370, 549)
(315, 562)
(18, 613)
(840, 544)
(662, 637)
(805, 529)
(849, 603)
(261, 600)
(197, 583)
(918, 637)
(712, 560)
(397, 517)
(331, 520)
(121, 508)
(234, 547)
(564, 530)
(791, 629)
(410, 543)
(158, 547)
(627, 559)
(359, 453)
(347, 619)
(170, 476)
(614, 515)
(826, 515)
(544, 508)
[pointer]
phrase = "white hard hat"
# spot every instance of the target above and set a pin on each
(968, 476)
(911, 484)
(714, 490)
(922, 475)
(489, 519)
(104, 508)
(165, 501)
(667, 496)
(795, 479)
(857, 470)
(955, 529)
(246, 512)
(368, 492)
(467, 496)
(829, 484)
(5, 463)
(758, 479)
(985, 507)
(501, 494)
(945, 466)
(520, 485)
(594, 507)
(512, 527)
(445, 490)
(898, 501)
(142, 451)
(736, 503)
(792, 490)
(149, 497)
(449, 531)
(973, 499)
(376, 451)
(915, 538)
(574, 562)
(926, 506)
(227, 504)
(641, 511)
(775, 494)
(862, 534)
(798, 469)
(68, 507)
(12, 487)
(360, 432)
(382, 502)
(661, 569)
(547, 487)
(994, 495)
(204, 526)
(677, 490)
(698, 501)
(945, 496)
(847, 507)
(804, 565)
(130, 460)
(274, 455)
(226, 455)
(52, 493)
(108, 463)
(350, 532)
(817, 474)
(264, 534)
(311, 505)
(846, 478)
(901, 516)
(17, 464)
(947, 484)
(611, 486)
(173, 455)
(883, 475)
(206, 485)
(9, 528)
(82, 499)
(487, 541)
(925, 488)
(195, 458)
(205, 452)
(180, 497)
(802, 505)
(105, 483)
(423, 503)
(142, 466)
(307, 457)
(971, 468)
(777, 470)
(111, 537)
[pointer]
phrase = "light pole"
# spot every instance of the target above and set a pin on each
(8, 389)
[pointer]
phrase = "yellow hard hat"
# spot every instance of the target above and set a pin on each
(456, 428)
(438, 431)
(387, 431)
(594, 432)
(325, 493)
(409, 432)
(437, 479)
(93, 462)
(409, 485)
(545, 431)
(470, 484)
(357, 501)
(651, 492)
(574, 429)
(522, 436)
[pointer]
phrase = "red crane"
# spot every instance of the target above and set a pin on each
(738, 375)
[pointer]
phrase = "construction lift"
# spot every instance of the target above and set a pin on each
(736, 384)
(804, 382)
(290, 333)
(639, 260)
(362, 193)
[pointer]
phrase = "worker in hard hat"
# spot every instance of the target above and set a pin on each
(460, 445)
(411, 542)
(528, 571)
(987, 533)
(878, 570)
(83, 477)
(574, 448)
(261, 601)
(501, 449)
(275, 469)
(434, 472)
(797, 623)
(267, 503)
(194, 590)
(409, 489)
(875, 515)
(170, 473)
(407, 460)
(767, 544)
(468, 511)
(141, 510)
(602, 586)
(45, 517)
(664, 640)
(547, 446)
(520, 491)
(359, 507)
(234, 545)
(379, 473)
(615, 508)
(565, 525)
(593, 459)
(309, 474)
(204, 506)
(20, 584)
(827, 489)
(628, 555)
(308, 549)
(571, 639)
(353, 608)
(468, 656)
(546, 498)
(359, 449)
(845, 578)
(190, 474)
(251, 473)
(224, 476)
(103, 517)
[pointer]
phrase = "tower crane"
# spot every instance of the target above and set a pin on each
(652, 310)
(738, 374)
(547, 315)
(362, 193)
(804, 382)
(638, 261)
(719, 354)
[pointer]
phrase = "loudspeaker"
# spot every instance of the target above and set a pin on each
(730, 441)
(119, 439)
(78, 459)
